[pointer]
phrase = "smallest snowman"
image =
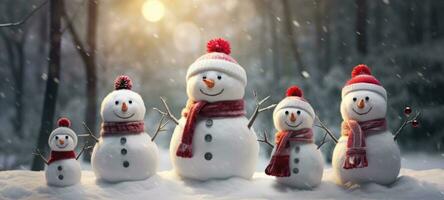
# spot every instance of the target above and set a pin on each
(296, 160)
(63, 168)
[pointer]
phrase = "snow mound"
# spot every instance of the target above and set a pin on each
(412, 184)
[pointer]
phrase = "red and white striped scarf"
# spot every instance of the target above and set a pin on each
(356, 156)
(279, 165)
(202, 108)
(122, 128)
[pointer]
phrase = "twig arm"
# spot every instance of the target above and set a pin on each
(265, 140)
(258, 108)
(327, 130)
(160, 127)
(399, 131)
(37, 152)
(90, 132)
(85, 147)
(167, 112)
(323, 140)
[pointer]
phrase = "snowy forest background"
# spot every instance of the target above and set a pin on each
(63, 59)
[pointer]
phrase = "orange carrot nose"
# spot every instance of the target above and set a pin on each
(124, 107)
(361, 104)
(209, 83)
(292, 117)
(61, 142)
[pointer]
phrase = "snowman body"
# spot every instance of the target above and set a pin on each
(125, 158)
(384, 161)
(64, 172)
(306, 166)
(63, 169)
(295, 115)
(222, 148)
(365, 100)
(125, 154)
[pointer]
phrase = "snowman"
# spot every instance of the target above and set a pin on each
(366, 151)
(124, 152)
(63, 168)
(213, 139)
(296, 160)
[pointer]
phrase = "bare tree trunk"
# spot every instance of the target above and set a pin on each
(379, 13)
(275, 48)
(322, 35)
(361, 26)
(19, 86)
(91, 73)
(51, 91)
(292, 36)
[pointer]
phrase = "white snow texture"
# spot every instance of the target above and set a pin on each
(27, 185)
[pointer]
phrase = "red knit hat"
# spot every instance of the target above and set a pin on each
(64, 127)
(218, 58)
(362, 79)
(294, 99)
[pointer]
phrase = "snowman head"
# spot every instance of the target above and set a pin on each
(123, 105)
(363, 97)
(216, 76)
(293, 112)
(63, 138)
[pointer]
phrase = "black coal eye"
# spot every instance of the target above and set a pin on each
(354, 99)
(66, 137)
(367, 98)
(117, 102)
(204, 77)
(298, 112)
(219, 77)
(57, 137)
(130, 102)
(286, 112)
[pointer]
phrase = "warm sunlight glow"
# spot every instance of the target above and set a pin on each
(153, 10)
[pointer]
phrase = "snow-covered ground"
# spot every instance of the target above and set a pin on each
(425, 180)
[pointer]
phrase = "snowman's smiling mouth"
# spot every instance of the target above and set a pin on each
(123, 117)
(201, 91)
(62, 146)
(294, 125)
(363, 113)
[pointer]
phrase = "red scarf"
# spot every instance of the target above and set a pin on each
(122, 128)
(61, 155)
(356, 156)
(202, 108)
(279, 164)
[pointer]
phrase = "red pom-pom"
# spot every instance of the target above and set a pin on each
(64, 122)
(294, 91)
(123, 82)
(218, 45)
(361, 69)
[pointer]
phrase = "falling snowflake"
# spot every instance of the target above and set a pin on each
(44, 76)
(305, 74)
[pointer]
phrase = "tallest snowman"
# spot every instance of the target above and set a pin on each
(213, 139)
